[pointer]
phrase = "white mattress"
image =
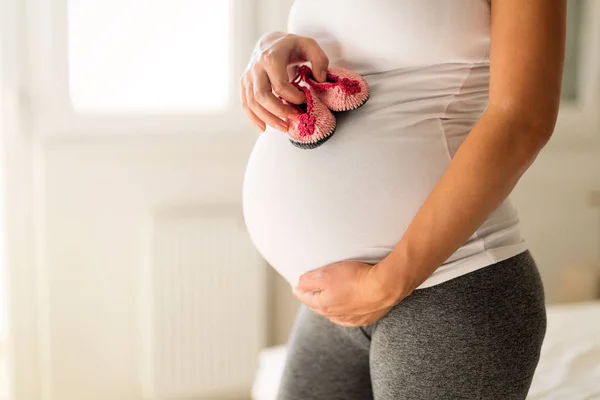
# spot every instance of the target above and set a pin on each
(569, 367)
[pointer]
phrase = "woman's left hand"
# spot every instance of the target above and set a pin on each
(348, 293)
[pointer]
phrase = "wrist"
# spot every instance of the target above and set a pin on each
(395, 276)
(270, 37)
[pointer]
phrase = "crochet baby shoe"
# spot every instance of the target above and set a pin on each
(314, 125)
(344, 90)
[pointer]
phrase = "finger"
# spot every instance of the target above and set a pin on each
(277, 74)
(328, 307)
(346, 318)
(313, 280)
(348, 323)
(355, 320)
(352, 319)
(327, 303)
(263, 114)
(321, 303)
(263, 92)
(320, 278)
(311, 51)
(358, 320)
(313, 300)
(292, 71)
(260, 125)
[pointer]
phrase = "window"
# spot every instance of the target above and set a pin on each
(144, 56)
(570, 89)
(577, 125)
(130, 67)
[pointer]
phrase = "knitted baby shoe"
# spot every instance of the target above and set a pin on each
(344, 90)
(314, 125)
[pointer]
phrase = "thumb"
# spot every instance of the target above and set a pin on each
(312, 52)
(312, 280)
(292, 70)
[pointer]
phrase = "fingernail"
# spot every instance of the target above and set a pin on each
(261, 129)
(323, 76)
(283, 127)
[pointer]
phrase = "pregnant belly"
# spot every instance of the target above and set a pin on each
(350, 199)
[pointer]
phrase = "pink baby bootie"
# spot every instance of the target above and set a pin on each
(314, 125)
(344, 90)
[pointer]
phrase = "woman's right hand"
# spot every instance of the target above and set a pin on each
(267, 72)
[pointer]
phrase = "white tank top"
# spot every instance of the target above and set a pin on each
(427, 66)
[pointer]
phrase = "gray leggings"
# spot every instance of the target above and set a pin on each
(474, 337)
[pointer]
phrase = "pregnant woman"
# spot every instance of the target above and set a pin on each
(397, 234)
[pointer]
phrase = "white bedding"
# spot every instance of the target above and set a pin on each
(569, 367)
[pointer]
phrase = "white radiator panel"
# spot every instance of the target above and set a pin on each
(203, 306)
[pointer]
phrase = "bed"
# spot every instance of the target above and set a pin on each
(569, 367)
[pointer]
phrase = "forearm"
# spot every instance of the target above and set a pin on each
(526, 60)
(481, 175)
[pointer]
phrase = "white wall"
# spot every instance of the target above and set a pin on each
(87, 291)
(558, 219)
(92, 268)
(273, 14)
(3, 295)
(90, 187)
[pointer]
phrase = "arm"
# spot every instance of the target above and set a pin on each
(527, 53)
(526, 64)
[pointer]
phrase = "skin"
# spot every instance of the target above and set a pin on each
(268, 76)
(526, 65)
